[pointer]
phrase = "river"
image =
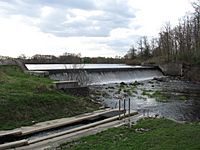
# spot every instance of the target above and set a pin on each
(170, 98)
(150, 93)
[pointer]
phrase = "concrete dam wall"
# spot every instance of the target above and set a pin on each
(105, 76)
(97, 73)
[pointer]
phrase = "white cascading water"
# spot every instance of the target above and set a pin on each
(109, 77)
(123, 76)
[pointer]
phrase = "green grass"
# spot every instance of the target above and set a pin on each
(25, 98)
(161, 96)
(160, 134)
(129, 89)
(182, 97)
(158, 95)
(147, 93)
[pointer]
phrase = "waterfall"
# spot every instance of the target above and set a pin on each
(105, 77)
(87, 74)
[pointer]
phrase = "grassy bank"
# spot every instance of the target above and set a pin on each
(154, 134)
(25, 99)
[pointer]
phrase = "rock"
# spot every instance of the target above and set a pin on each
(160, 79)
(125, 91)
(122, 83)
(150, 82)
(111, 87)
(141, 130)
(136, 83)
(125, 95)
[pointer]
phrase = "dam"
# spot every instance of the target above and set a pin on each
(87, 74)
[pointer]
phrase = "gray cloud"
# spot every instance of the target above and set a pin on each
(115, 14)
(79, 4)
(121, 45)
(19, 7)
(119, 7)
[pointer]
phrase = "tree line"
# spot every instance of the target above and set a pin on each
(178, 44)
(68, 58)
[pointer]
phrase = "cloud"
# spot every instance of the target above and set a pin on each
(65, 18)
(98, 20)
(79, 4)
(90, 27)
(19, 7)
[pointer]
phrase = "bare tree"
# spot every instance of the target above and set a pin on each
(146, 53)
(180, 43)
(77, 73)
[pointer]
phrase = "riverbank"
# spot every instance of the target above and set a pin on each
(27, 99)
(185, 71)
(147, 134)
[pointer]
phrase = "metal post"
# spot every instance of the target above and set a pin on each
(129, 107)
(129, 111)
(119, 108)
(124, 108)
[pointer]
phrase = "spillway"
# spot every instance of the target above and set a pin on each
(99, 73)
(105, 77)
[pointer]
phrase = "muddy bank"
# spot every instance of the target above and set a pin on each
(171, 69)
(186, 71)
(191, 72)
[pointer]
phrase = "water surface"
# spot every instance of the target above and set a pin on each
(180, 100)
(76, 66)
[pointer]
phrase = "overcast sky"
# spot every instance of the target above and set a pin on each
(90, 27)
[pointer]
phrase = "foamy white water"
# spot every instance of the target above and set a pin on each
(76, 66)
